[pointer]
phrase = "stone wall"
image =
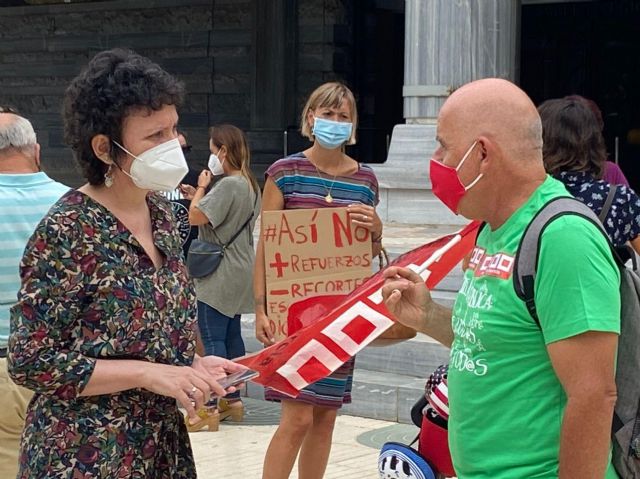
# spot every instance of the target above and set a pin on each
(209, 44)
(321, 51)
(323, 45)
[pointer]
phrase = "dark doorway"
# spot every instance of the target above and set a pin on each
(591, 49)
(377, 74)
(369, 58)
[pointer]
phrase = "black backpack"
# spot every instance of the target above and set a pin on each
(626, 421)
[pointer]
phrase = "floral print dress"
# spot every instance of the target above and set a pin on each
(622, 223)
(89, 291)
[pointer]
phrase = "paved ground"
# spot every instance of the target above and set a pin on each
(237, 450)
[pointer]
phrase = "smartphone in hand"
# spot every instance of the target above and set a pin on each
(235, 379)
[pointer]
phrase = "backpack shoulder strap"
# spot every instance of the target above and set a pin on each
(607, 203)
(526, 262)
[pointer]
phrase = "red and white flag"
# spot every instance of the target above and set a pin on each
(340, 326)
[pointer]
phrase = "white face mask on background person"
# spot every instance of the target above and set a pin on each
(215, 165)
(160, 168)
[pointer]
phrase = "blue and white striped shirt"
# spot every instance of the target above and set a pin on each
(24, 200)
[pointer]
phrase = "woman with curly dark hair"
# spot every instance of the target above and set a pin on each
(574, 153)
(104, 328)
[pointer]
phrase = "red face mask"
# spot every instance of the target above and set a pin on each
(446, 184)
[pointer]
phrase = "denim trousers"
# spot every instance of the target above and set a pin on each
(220, 335)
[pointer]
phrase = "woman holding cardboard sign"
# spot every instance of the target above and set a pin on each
(322, 176)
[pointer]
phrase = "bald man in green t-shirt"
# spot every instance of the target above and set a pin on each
(526, 400)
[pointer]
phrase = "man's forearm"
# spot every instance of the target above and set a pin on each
(437, 324)
(585, 438)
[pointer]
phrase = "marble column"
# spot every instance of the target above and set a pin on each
(447, 44)
(451, 42)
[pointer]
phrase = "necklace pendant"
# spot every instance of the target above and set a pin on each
(328, 198)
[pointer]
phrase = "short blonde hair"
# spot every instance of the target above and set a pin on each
(329, 95)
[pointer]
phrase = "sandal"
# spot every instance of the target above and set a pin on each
(232, 409)
(209, 418)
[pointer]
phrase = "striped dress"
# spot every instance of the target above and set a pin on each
(302, 187)
(24, 200)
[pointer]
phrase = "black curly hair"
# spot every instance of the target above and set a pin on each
(103, 94)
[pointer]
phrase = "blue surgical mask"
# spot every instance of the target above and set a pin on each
(331, 134)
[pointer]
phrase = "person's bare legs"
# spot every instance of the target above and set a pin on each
(295, 422)
(314, 454)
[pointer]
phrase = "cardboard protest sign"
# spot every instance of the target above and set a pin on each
(311, 252)
(346, 325)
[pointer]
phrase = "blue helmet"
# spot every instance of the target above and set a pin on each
(399, 461)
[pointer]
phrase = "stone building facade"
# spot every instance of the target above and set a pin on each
(551, 48)
(246, 62)
(252, 63)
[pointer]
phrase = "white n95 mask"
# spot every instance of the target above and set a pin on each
(160, 168)
(215, 165)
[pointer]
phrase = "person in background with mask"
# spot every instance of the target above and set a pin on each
(526, 398)
(322, 176)
(225, 215)
(26, 194)
(104, 328)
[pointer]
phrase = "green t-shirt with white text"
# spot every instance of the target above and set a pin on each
(506, 403)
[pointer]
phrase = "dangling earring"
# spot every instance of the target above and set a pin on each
(108, 179)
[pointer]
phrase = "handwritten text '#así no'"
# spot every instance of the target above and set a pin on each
(344, 233)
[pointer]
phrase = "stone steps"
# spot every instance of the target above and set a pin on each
(384, 396)
(414, 358)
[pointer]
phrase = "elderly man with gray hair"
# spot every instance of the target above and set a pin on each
(26, 194)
